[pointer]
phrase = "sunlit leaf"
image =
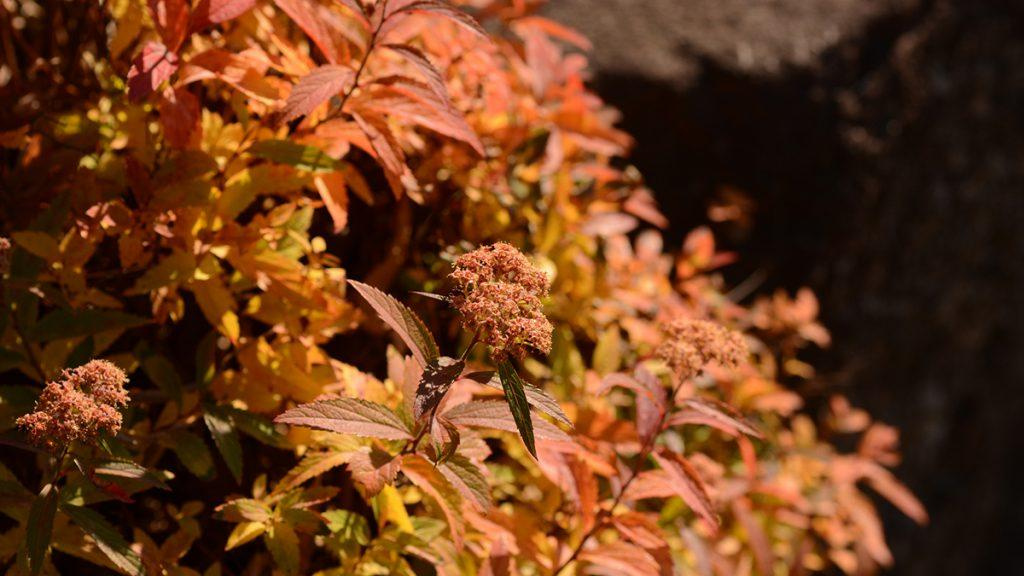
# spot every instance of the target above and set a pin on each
(283, 543)
(225, 437)
(316, 88)
(403, 321)
(517, 404)
(438, 376)
(353, 416)
(107, 538)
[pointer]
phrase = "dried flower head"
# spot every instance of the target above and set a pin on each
(498, 292)
(82, 404)
(690, 345)
(5, 256)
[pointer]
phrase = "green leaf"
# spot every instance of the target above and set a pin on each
(225, 437)
(468, 479)
(283, 543)
(537, 397)
(40, 527)
(192, 451)
(131, 471)
(516, 398)
(107, 538)
(403, 321)
(65, 323)
(348, 525)
(163, 373)
(437, 378)
(206, 360)
(293, 154)
(256, 427)
(348, 416)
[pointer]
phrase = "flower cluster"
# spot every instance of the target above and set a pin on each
(82, 404)
(690, 345)
(498, 292)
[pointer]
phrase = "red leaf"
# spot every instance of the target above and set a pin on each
(675, 478)
(347, 416)
(151, 67)
(403, 321)
(171, 19)
(316, 88)
(389, 154)
(444, 9)
(373, 468)
(333, 191)
(497, 415)
(419, 104)
(619, 558)
(714, 414)
(218, 11)
(316, 22)
(179, 116)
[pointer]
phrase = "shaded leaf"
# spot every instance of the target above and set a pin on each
(129, 470)
(313, 464)
(64, 323)
(179, 116)
(517, 404)
(715, 414)
(244, 533)
(373, 469)
(287, 152)
(155, 64)
(256, 427)
(403, 321)
(191, 451)
(225, 437)
(171, 19)
(39, 528)
(431, 481)
(437, 378)
(353, 416)
(621, 558)
(217, 11)
(316, 88)
(283, 543)
(107, 538)
(243, 510)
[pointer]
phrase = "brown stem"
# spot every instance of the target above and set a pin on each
(366, 56)
(645, 451)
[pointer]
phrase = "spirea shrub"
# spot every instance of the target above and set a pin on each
(360, 287)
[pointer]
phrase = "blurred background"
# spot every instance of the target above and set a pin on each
(872, 150)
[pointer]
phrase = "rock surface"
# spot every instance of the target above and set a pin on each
(883, 142)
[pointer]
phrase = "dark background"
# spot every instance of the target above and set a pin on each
(883, 142)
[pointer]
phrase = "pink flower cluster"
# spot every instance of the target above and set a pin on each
(82, 404)
(690, 345)
(498, 292)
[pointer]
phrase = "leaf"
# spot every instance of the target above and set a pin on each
(389, 507)
(437, 378)
(388, 153)
(155, 64)
(315, 88)
(191, 451)
(448, 11)
(107, 538)
(244, 510)
(496, 415)
(39, 527)
(179, 116)
(334, 192)
(313, 464)
(676, 477)
(38, 244)
(517, 404)
(432, 482)
(171, 18)
(715, 414)
(315, 21)
(129, 470)
(162, 372)
(257, 427)
(373, 469)
(621, 558)
(218, 11)
(64, 323)
(283, 543)
(348, 525)
(468, 479)
(353, 416)
(217, 304)
(537, 397)
(287, 152)
(244, 533)
(403, 321)
(225, 437)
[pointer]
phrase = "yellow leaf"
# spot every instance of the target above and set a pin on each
(334, 193)
(391, 509)
(174, 269)
(218, 305)
(245, 532)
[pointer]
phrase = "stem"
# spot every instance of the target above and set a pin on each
(366, 56)
(645, 451)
